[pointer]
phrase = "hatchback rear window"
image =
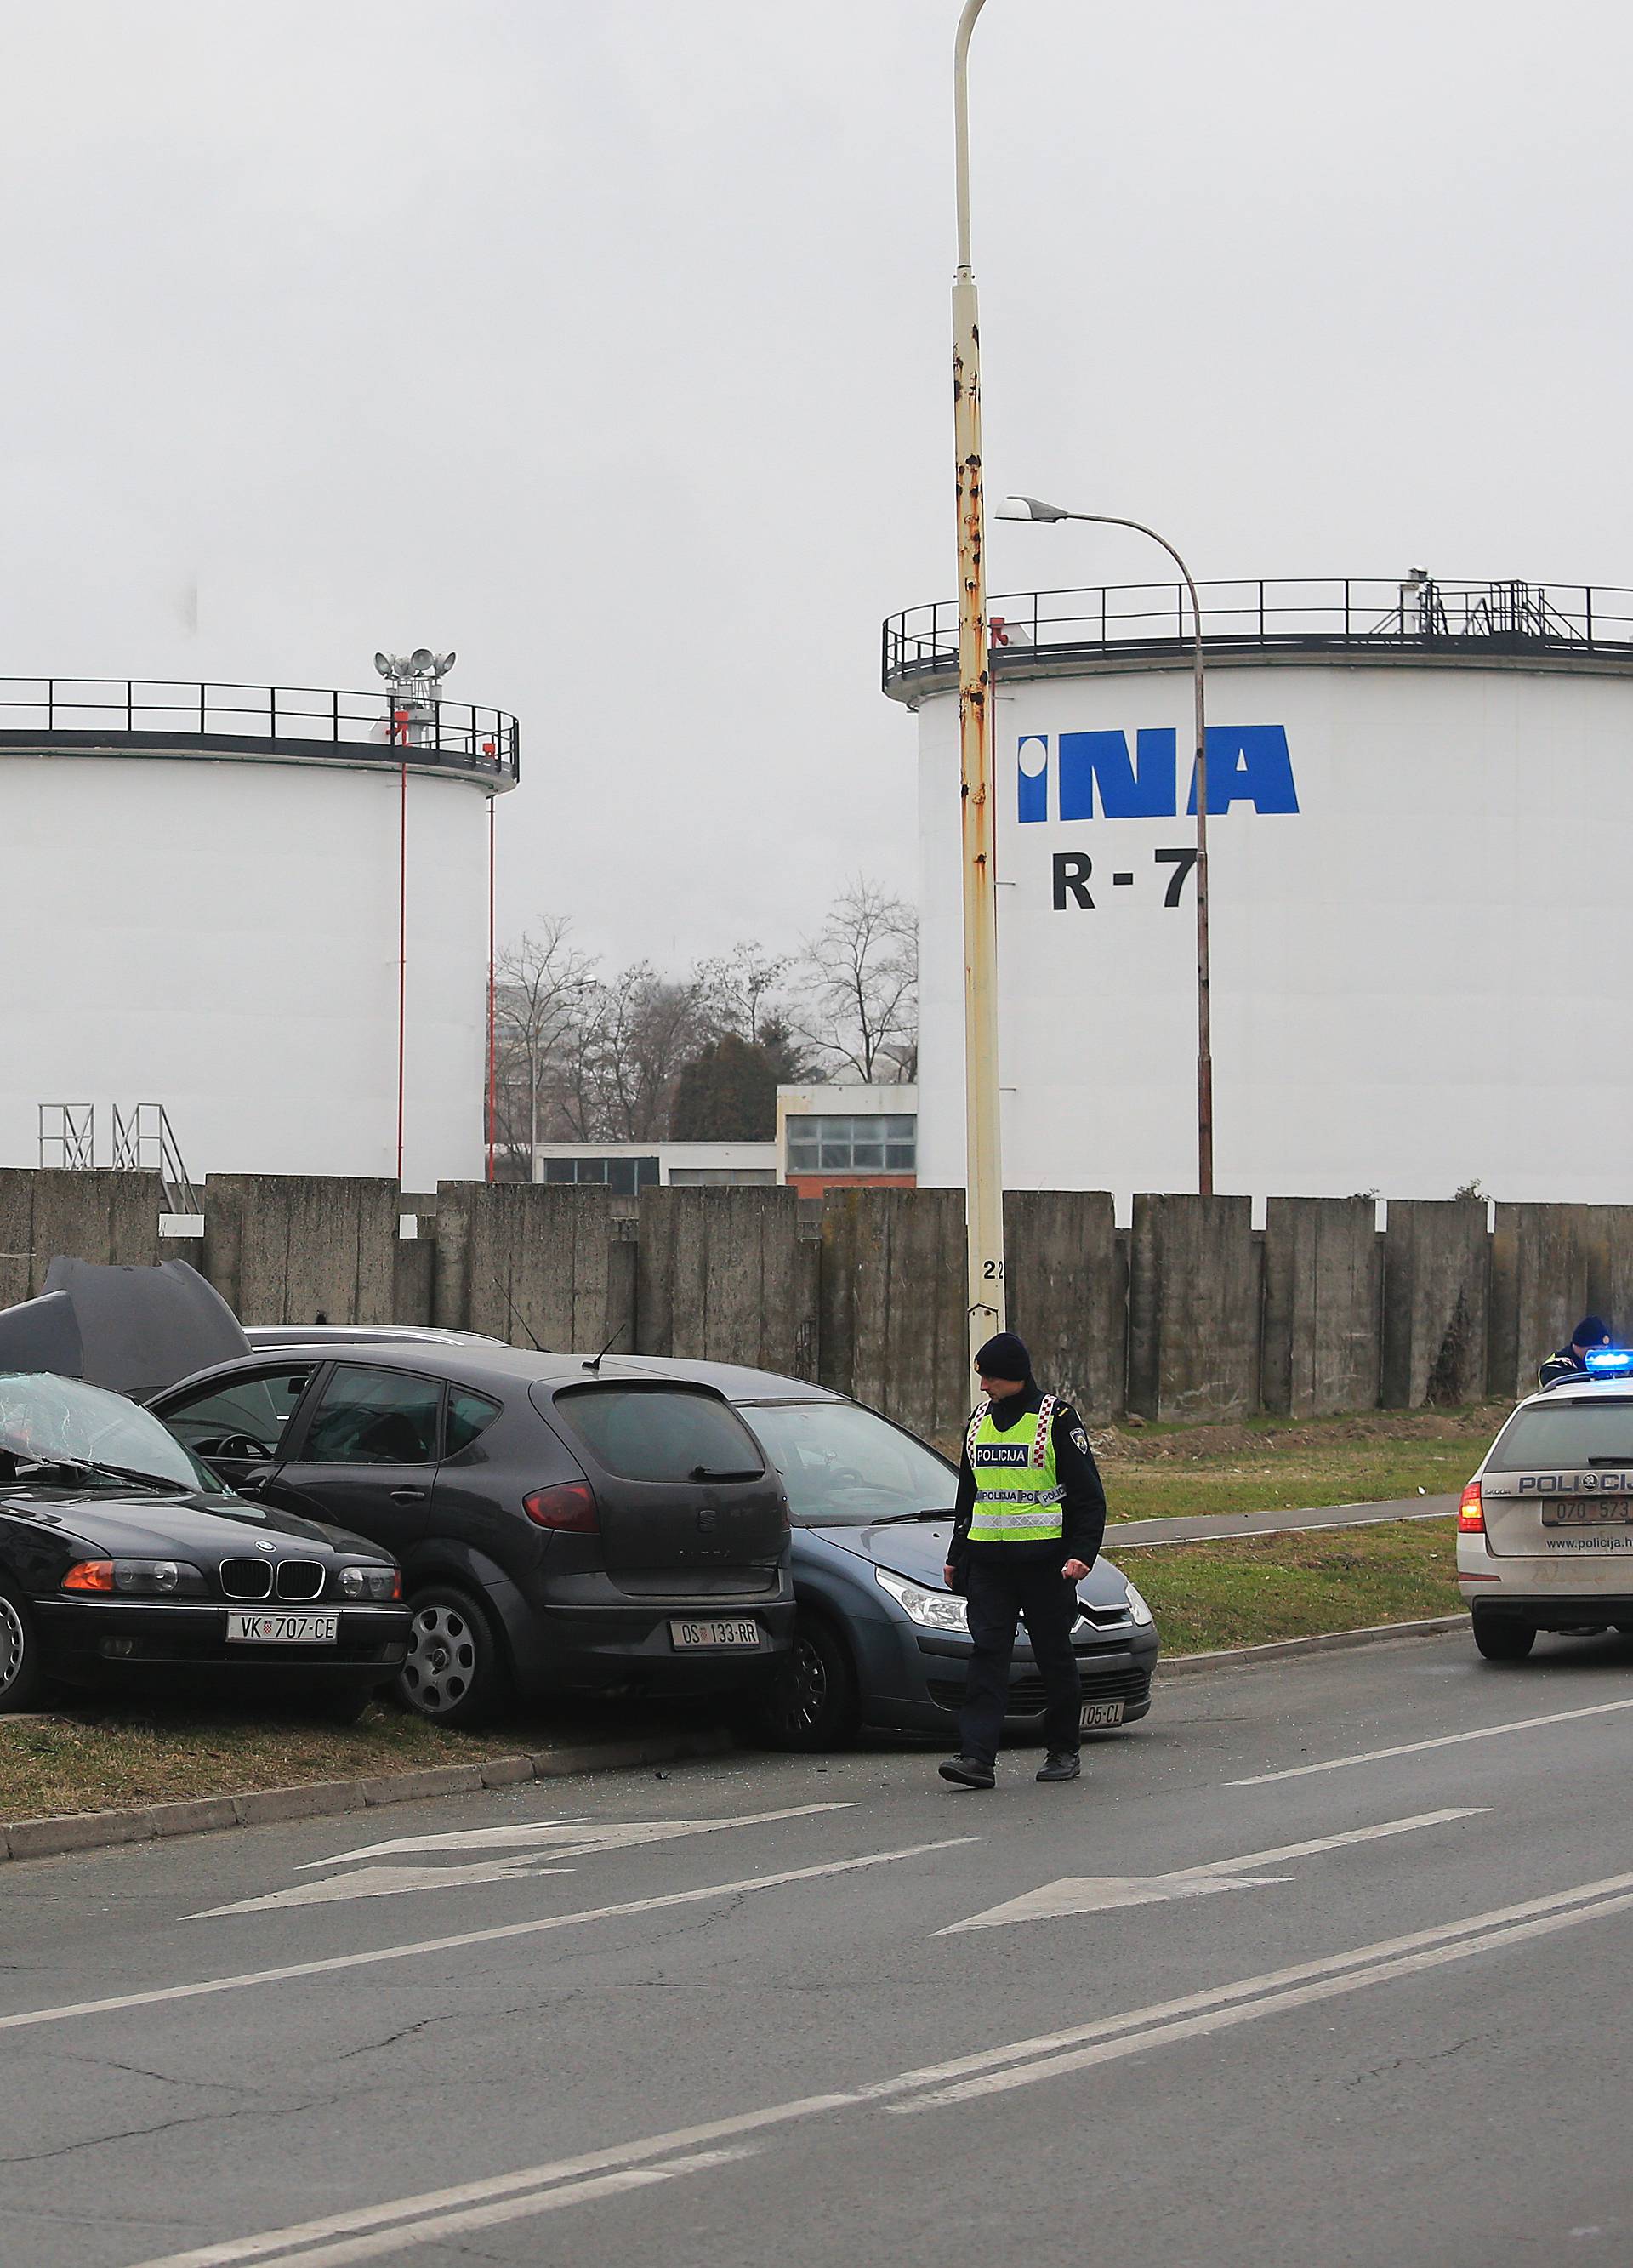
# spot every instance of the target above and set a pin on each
(660, 1433)
(1570, 1433)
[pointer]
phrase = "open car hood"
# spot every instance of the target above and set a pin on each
(134, 1331)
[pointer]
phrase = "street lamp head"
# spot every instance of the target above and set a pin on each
(1025, 507)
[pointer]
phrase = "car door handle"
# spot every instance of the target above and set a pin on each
(408, 1496)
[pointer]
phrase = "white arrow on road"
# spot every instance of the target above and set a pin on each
(518, 1851)
(570, 1838)
(1077, 1894)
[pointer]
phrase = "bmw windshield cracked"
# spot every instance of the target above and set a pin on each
(121, 1557)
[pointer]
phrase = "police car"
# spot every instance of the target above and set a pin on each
(1545, 1527)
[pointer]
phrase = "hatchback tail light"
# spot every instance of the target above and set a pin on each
(1471, 1516)
(569, 1504)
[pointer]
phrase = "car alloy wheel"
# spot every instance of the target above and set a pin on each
(808, 1687)
(452, 1670)
(19, 1655)
(811, 1703)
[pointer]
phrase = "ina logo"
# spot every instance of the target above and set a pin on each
(1096, 776)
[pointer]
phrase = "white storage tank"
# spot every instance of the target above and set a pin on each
(211, 894)
(1418, 796)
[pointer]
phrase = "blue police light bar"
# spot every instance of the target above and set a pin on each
(1609, 1361)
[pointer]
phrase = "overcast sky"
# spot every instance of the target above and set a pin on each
(609, 344)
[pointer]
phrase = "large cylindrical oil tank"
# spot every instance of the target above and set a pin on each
(215, 899)
(1419, 794)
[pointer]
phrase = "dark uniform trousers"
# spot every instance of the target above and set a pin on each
(997, 1595)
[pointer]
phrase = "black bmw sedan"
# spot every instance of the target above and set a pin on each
(122, 1557)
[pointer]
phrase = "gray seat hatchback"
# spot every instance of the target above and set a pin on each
(563, 1525)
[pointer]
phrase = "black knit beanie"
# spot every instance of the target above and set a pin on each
(1004, 1357)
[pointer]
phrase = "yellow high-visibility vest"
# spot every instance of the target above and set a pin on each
(1018, 1492)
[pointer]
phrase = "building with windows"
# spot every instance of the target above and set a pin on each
(827, 1138)
(629, 1167)
(839, 1138)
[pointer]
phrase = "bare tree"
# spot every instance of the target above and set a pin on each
(637, 1032)
(858, 1000)
(542, 987)
(741, 991)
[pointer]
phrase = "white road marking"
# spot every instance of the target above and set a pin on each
(550, 2199)
(1081, 1893)
(1440, 1740)
(388, 1882)
(1018, 2063)
(1077, 1894)
(25, 2019)
(570, 1838)
(1270, 2004)
(549, 1840)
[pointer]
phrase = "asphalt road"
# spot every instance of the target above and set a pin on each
(1326, 1962)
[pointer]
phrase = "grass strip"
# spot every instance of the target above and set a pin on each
(1253, 1590)
(1170, 1473)
(109, 1755)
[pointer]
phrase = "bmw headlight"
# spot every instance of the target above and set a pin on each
(377, 1583)
(931, 1610)
(138, 1579)
(1137, 1607)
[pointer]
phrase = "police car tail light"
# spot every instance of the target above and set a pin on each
(1471, 1514)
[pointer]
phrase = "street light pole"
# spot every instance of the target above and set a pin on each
(1032, 508)
(984, 1201)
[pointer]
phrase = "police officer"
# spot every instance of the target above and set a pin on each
(1028, 1520)
(1571, 1361)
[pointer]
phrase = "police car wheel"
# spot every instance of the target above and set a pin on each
(811, 1703)
(1498, 1638)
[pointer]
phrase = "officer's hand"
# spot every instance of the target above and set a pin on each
(1074, 1570)
(949, 1571)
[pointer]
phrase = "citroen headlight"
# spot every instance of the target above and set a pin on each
(1137, 1607)
(931, 1610)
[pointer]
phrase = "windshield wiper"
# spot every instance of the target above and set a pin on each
(903, 1518)
(126, 1473)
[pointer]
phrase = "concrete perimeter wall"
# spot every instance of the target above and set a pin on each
(1191, 1314)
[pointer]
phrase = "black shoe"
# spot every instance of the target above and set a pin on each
(968, 1771)
(1060, 1763)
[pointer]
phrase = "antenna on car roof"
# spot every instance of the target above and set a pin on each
(517, 1315)
(595, 1361)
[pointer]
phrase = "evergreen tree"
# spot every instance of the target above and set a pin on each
(727, 1094)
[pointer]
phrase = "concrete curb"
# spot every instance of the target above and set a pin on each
(205, 1814)
(1244, 1657)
